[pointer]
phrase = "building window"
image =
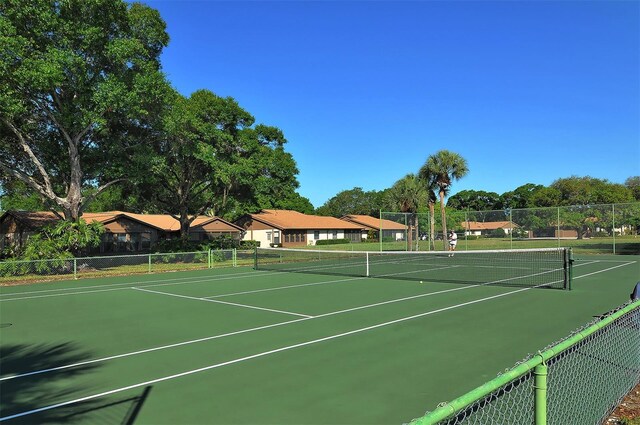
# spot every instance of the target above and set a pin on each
(316, 234)
(335, 234)
(268, 236)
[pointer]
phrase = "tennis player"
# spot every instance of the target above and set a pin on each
(453, 241)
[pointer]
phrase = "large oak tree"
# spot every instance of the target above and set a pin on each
(79, 84)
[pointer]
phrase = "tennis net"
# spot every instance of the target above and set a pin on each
(549, 268)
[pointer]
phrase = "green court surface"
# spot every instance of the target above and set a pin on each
(239, 346)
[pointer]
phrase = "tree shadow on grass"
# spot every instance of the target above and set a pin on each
(23, 392)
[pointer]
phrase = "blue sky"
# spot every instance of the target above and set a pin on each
(365, 91)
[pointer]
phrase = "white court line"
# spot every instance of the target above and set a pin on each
(178, 344)
(128, 284)
(121, 286)
(254, 356)
(604, 270)
(278, 288)
(312, 284)
(257, 328)
(221, 302)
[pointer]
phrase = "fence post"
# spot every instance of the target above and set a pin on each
(209, 258)
(511, 226)
(613, 226)
(235, 257)
(149, 263)
(75, 268)
(540, 388)
(558, 227)
(380, 232)
(255, 258)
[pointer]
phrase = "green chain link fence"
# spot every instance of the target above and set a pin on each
(121, 264)
(577, 381)
(588, 229)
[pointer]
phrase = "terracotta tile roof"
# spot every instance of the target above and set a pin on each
(33, 220)
(160, 221)
(373, 223)
(286, 219)
(488, 225)
(164, 222)
(214, 223)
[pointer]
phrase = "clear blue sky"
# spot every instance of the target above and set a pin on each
(365, 91)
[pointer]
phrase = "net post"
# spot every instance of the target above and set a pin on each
(540, 389)
(570, 268)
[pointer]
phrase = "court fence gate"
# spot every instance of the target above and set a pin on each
(579, 380)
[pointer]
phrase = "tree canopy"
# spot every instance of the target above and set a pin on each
(80, 82)
(354, 201)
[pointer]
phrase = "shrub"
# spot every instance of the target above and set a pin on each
(249, 244)
(221, 242)
(497, 233)
(176, 245)
(332, 241)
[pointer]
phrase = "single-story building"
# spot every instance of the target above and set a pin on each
(124, 231)
(390, 229)
(478, 228)
(291, 228)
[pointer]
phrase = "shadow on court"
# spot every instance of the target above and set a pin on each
(28, 393)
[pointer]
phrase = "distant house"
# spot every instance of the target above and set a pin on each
(291, 228)
(124, 231)
(478, 228)
(390, 229)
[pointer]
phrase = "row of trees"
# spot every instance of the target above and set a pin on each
(89, 122)
(562, 192)
(416, 193)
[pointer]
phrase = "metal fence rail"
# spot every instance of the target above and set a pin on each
(594, 229)
(577, 381)
(121, 264)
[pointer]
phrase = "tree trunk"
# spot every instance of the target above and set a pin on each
(444, 219)
(410, 232)
(185, 222)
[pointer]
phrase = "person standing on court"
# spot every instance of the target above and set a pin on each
(453, 241)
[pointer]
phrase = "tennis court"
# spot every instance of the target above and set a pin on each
(245, 346)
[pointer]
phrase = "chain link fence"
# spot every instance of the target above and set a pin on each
(577, 381)
(588, 229)
(121, 265)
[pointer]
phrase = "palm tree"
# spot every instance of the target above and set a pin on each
(442, 168)
(430, 185)
(407, 194)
